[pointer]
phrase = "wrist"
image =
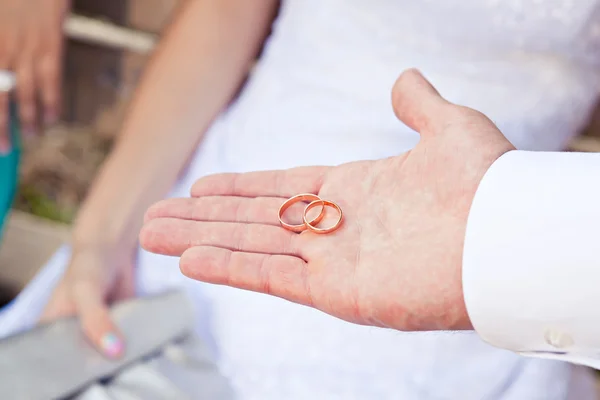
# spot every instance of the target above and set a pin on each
(100, 233)
(106, 219)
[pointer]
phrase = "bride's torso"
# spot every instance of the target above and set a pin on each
(321, 95)
(327, 70)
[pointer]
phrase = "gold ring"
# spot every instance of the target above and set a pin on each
(293, 200)
(325, 203)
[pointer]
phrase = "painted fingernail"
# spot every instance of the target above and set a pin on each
(112, 345)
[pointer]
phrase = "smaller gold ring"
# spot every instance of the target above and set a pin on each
(295, 199)
(325, 203)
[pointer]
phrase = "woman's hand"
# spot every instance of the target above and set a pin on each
(203, 71)
(396, 260)
(96, 277)
(31, 46)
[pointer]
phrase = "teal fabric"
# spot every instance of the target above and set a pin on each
(9, 168)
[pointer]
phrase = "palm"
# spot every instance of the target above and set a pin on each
(396, 259)
(343, 260)
(239, 213)
(373, 197)
(229, 233)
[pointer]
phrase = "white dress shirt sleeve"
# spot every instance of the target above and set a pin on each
(531, 264)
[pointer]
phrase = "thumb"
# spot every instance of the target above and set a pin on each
(95, 319)
(417, 103)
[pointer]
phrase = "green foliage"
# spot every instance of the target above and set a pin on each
(33, 201)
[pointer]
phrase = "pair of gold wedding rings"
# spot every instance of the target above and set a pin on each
(315, 201)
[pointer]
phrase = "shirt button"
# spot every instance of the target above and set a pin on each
(558, 339)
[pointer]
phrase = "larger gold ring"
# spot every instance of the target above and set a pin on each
(293, 200)
(325, 203)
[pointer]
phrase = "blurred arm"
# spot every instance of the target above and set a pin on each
(531, 263)
(196, 70)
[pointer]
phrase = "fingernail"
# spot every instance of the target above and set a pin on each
(112, 345)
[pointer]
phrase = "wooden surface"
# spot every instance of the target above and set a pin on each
(27, 244)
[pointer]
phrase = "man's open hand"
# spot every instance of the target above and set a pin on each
(396, 260)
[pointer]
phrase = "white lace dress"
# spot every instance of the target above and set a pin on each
(325, 78)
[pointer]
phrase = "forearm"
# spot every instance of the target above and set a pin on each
(196, 70)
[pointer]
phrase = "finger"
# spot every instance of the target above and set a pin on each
(282, 183)
(5, 143)
(417, 103)
(277, 275)
(59, 306)
(26, 96)
(48, 69)
(95, 318)
(172, 237)
(48, 72)
(258, 210)
(125, 284)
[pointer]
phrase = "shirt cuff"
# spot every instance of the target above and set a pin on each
(531, 263)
